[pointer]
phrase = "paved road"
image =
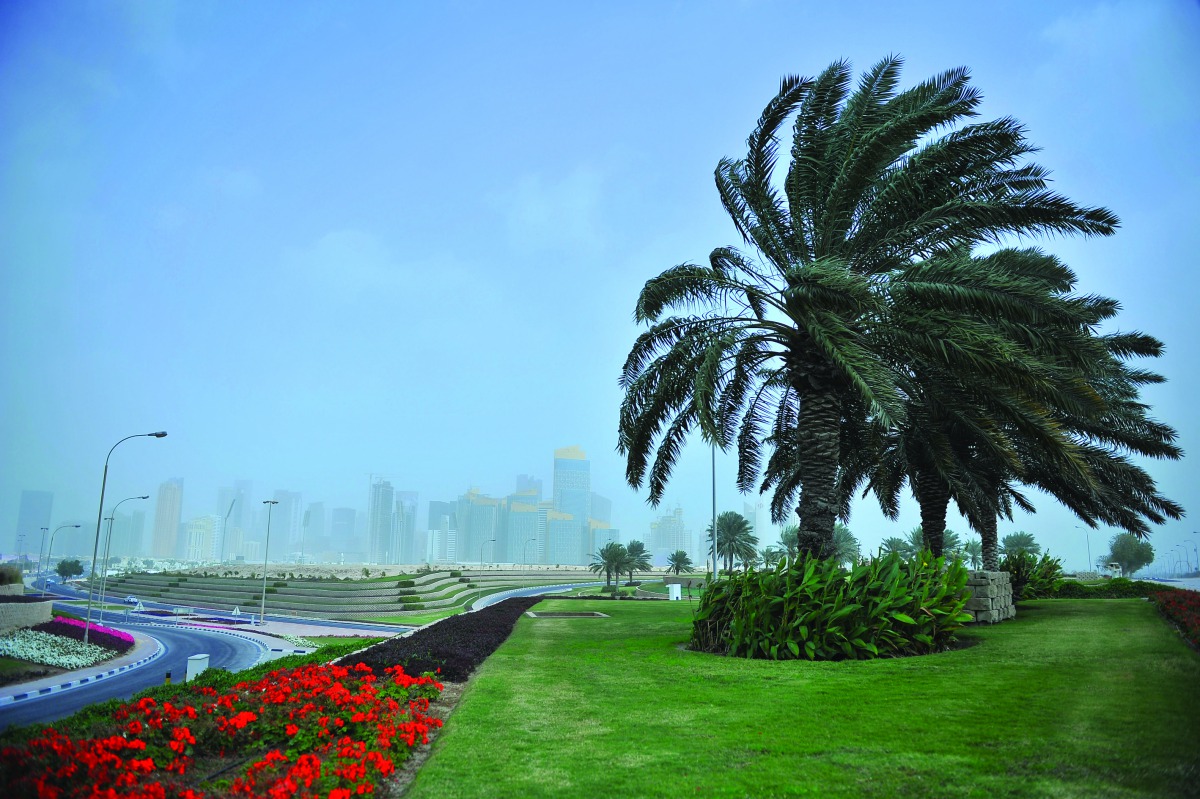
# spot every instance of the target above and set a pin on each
(225, 652)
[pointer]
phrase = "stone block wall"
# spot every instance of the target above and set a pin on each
(991, 597)
(12, 589)
(23, 614)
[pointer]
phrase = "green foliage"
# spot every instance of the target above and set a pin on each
(816, 610)
(1032, 578)
(612, 559)
(679, 561)
(406, 584)
(280, 584)
(1130, 551)
(456, 574)
(1019, 542)
(10, 574)
(1117, 588)
(736, 542)
(409, 600)
(67, 569)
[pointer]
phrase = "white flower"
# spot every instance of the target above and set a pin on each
(52, 650)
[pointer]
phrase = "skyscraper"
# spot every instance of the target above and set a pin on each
(168, 510)
(32, 516)
(408, 548)
(381, 547)
(477, 518)
(568, 541)
(527, 483)
(669, 534)
(342, 538)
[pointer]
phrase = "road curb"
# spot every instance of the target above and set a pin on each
(91, 678)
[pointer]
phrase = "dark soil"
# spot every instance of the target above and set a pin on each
(453, 647)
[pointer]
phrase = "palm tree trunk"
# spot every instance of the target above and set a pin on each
(818, 431)
(933, 495)
(991, 544)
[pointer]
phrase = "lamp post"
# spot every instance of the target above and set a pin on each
(99, 517)
(41, 546)
(21, 560)
(225, 528)
(107, 544)
(1090, 565)
(51, 547)
(525, 554)
(262, 612)
(479, 588)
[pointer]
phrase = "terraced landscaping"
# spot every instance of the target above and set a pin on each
(402, 599)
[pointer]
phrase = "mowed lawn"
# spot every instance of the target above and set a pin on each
(1074, 698)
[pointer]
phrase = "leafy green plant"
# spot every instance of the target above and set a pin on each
(280, 584)
(10, 574)
(456, 574)
(1116, 588)
(1032, 578)
(816, 610)
(406, 584)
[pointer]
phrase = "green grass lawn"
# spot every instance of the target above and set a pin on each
(1074, 698)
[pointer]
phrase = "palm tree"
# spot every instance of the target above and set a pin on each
(736, 541)
(900, 546)
(638, 558)
(779, 350)
(973, 550)
(610, 559)
(845, 545)
(678, 562)
(1013, 543)
(771, 555)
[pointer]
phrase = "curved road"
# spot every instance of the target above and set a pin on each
(225, 652)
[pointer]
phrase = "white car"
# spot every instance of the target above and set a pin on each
(131, 600)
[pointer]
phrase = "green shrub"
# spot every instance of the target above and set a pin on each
(464, 580)
(417, 606)
(10, 574)
(409, 600)
(1116, 588)
(1032, 578)
(456, 574)
(405, 584)
(608, 589)
(816, 610)
(280, 584)
(272, 590)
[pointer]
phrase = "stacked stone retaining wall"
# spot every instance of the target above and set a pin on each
(23, 614)
(991, 597)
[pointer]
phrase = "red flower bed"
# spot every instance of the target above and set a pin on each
(313, 731)
(1183, 608)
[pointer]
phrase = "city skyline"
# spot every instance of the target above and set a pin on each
(315, 242)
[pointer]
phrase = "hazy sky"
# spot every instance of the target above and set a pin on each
(319, 240)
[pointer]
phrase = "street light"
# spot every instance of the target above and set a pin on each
(1090, 565)
(479, 588)
(525, 553)
(49, 548)
(225, 528)
(107, 544)
(262, 612)
(20, 560)
(99, 517)
(41, 546)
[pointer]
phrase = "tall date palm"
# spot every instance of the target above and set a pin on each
(773, 351)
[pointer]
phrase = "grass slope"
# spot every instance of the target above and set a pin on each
(1095, 698)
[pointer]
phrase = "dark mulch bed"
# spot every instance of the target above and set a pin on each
(18, 599)
(456, 645)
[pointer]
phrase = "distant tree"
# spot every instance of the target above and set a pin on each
(973, 552)
(900, 546)
(789, 539)
(916, 540)
(69, 568)
(679, 562)
(771, 555)
(639, 559)
(951, 544)
(1013, 543)
(736, 542)
(148, 563)
(1130, 551)
(610, 559)
(845, 545)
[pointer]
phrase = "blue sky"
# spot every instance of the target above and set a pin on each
(315, 241)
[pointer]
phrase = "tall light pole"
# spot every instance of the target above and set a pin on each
(479, 588)
(262, 612)
(1090, 565)
(714, 509)
(99, 517)
(51, 547)
(41, 546)
(107, 544)
(20, 547)
(225, 527)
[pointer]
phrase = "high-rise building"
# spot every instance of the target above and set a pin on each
(315, 538)
(342, 535)
(573, 483)
(527, 483)
(669, 534)
(127, 534)
(203, 537)
(235, 502)
(601, 508)
(564, 539)
(477, 518)
(287, 524)
(380, 543)
(32, 515)
(409, 547)
(520, 523)
(168, 511)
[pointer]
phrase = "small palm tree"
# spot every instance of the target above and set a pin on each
(638, 558)
(845, 545)
(1022, 541)
(736, 541)
(678, 562)
(771, 556)
(610, 559)
(900, 546)
(973, 550)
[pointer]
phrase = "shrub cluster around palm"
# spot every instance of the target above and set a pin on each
(883, 330)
